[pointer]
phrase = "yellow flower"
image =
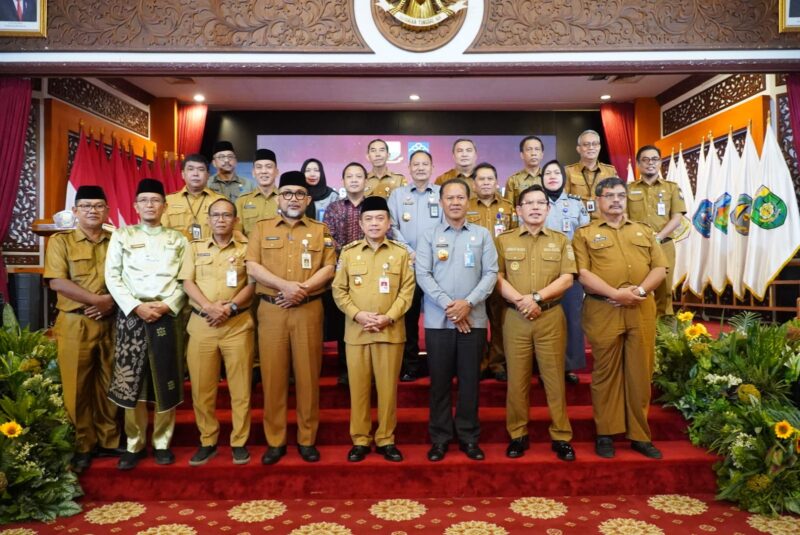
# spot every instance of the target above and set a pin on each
(747, 391)
(685, 316)
(11, 429)
(783, 429)
(758, 482)
(695, 330)
(30, 365)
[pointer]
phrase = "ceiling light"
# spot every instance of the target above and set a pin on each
(199, 98)
(413, 97)
(605, 97)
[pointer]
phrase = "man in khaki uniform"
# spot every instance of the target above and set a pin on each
(583, 177)
(75, 264)
(381, 181)
(537, 265)
(374, 286)
(187, 209)
(225, 181)
(620, 264)
(292, 259)
(531, 152)
(215, 279)
(465, 156)
(262, 202)
(489, 210)
(658, 204)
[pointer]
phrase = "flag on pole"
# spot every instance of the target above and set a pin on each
(742, 187)
(681, 234)
(702, 220)
(631, 175)
(774, 221)
(82, 172)
(720, 194)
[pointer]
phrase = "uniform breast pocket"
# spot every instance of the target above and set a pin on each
(551, 262)
(473, 217)
(203, 267)
(515, 260)
(358, 273)
(642, 246)
(178, 216)
(636, 207)
(81, 265)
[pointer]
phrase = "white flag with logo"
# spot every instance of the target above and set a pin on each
(631, 175)
(742, 188)
(774, 221)
(702, 220)
(720, 195)
(681, 234)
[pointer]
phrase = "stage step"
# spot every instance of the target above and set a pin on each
(684, 469)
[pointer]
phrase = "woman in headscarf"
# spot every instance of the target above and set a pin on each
(321, 194)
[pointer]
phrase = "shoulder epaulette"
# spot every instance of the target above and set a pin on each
(576, 197)
(351, 245)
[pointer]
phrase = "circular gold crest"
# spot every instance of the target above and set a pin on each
(419, 25)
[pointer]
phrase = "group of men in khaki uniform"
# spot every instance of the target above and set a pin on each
(257, 263)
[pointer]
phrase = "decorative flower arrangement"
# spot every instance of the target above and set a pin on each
(36, 437)
(736, 391)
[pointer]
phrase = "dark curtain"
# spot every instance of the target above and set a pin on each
(619, 125)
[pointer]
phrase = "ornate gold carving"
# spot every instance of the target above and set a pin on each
(580, 25)
(418, 26)
(719, 96)
(198, 25)
(88, 96)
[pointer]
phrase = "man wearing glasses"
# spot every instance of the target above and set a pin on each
(225, 181)
(142, 274)
(620, 264)
(215, 279)
(292, 259)
(74, 265)
(187, 209)
(658, 204)
(583, 177)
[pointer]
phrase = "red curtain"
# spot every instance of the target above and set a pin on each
(793, 90)
(191, 123)
(15, 107)
(618, 124)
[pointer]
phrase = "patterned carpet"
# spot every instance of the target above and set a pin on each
(607, 515)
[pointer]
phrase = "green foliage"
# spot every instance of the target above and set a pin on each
(35, 480)
(735, 392)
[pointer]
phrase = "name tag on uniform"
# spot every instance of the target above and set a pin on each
(230, 278)
(469, 259)
(433, 209)
(383, 285)
(305, 260)
(137, 245)
(499, 228)
(197, 233)
(565, 226)
(590, 207)
(661, 209)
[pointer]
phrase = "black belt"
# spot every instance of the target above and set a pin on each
(273, 299)
(204, 315)
(82, 312)
(544, 306)
(597, 296)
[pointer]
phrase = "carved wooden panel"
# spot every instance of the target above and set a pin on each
(417, 40)
(88, 96)
(575, 25)
(780, 79)
(719, 96)
(198, 25)
(786, 141)
(19, 238)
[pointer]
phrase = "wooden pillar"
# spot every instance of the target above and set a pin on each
(164, 124)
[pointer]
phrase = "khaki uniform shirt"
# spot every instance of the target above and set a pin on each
(72, 256)
(644, 200)
(142, 265)
(519, 182)
(487, 216)
(254, 206)
(530, 262)
(278, 246)
(184, 210)
(207, 265)
(356, 287)
(621, 257)
(232, 189)
(581, 181)
(454, 173)
(382, 186)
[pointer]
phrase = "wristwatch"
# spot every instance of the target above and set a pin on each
(536, 297)
(234, 308)
(641, 291)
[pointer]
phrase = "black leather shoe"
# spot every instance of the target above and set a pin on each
(343, 379)
(273, 454)
(437, 452)
(501, 376)
(357, 453)
(408, 377)
(129, 460)
(164, 456)
(240, 455)
(203, 455)
(571, 379)
(109, 452)
(390, 453)
(472, 450)
(81, 461)
(646, 448)
(517, 446)
(310, 454)
(563, 450)
(604, 446)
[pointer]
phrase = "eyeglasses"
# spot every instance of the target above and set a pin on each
(227, 216)
(534, 203)
(655, 159)
(225, 157)
(590, 144)
(612, 196)
(299, 195)
(150, 201)
(99, 207)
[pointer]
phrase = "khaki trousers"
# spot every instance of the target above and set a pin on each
(623, 345)
(293, 337)
(85, 359)
(547, 336)
(494, 357)
(233, 342)
(664, 291)
(136, 428)
(384, 359)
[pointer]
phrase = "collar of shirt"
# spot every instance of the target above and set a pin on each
(373, 174)
(152, 231)
(365, 245)
(80, 235)
(282, 221)
(234, 178)
(467, 226)
(353, 205)
(625, 221)
(523, 229)
(210, 243)
(185, 192)
(413, 187)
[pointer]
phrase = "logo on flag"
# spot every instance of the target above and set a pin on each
(721, 208)
(769, 210)
(740, 215)
(414, 146)
(702, 218)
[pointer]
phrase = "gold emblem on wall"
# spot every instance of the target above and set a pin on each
(419, 25)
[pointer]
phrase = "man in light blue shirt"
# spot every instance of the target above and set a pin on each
(414, 209)
(456, 267)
